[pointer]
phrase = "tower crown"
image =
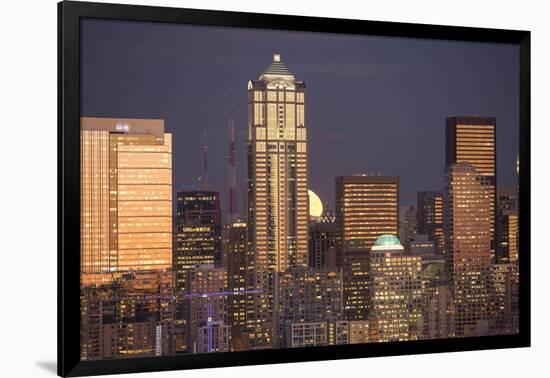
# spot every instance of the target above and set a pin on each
(277, 70)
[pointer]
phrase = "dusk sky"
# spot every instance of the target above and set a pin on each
(373, 104)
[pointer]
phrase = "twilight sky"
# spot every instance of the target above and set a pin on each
(373, 104)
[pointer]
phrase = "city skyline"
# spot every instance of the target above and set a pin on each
(370, 73)
(166, 271)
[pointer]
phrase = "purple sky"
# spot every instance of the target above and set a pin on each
(374, 104)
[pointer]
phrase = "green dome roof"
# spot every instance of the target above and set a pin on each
(387, 241)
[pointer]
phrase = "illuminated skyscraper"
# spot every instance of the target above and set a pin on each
(125, 197)
(366, 208)
(467, 226)
(472, 139)
(198, 231)
(277, 191)
(236, 256)
(395, 292)
(430, 217)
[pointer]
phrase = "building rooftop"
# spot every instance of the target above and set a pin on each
(276, 69)
(387, 241)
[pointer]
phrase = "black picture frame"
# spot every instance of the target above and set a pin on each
(69, 15)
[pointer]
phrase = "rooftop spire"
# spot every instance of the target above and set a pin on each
(276, 70)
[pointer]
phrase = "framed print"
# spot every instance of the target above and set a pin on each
(239, 188)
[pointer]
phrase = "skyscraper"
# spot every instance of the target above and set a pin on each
(472, 139)
(395, 299)
(236, 255)
(366, 208)
(277, 191)
(198, 232)
(430, 217)
(467, 226)
(125, 198)
(322, 237)
(407, 225)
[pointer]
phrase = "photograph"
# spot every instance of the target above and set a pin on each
(249, 189)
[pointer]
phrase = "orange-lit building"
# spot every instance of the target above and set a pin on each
(472, 139)
(467, 226)
(366, 208)
(125, 197)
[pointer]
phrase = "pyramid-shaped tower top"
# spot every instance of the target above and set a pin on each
(277, 70)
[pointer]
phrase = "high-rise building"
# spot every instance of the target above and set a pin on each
(395, 292)
(366, 208)
(125, 197)
(430, 217)
(277, 190)
(422, 246)
(308, 295)
(198, 232)
(467, 226)
(407, 225)
(236, 255)
(322, 238)
(472, 139)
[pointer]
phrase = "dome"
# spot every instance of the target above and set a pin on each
(387, 241)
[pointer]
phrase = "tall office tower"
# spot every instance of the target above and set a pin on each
(125, 197)
(322, 237)
(437, 305)
(430, 217)
(277, 190)
(198, 232)
(504, 309)
(395, 292)
(467, 213)
(130, 317)
(407, 225)
(236, 252)
(366, 207)
(208, 323)
(507, 225)
(308, 295)
(472, 139)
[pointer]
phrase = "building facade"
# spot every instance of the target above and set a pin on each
(396, 292)
(277, 191)
(125, 197)
(308, 295)
(198, 232)
(430, 217)
(472, 140)
(468, 247)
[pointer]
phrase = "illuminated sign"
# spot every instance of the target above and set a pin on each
(122, 127)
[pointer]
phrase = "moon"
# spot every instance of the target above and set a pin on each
(315, 204)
